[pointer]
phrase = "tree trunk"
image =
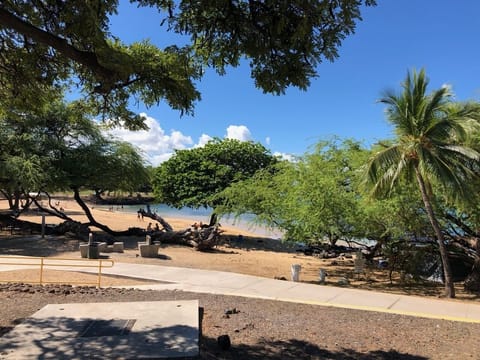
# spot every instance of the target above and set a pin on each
(155, 216)
(53, 212)
(92, 221)
(447, 271)
(200, 239)
(472, 282)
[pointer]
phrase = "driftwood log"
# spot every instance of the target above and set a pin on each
(202, 238)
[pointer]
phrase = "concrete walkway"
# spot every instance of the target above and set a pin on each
(226, 283)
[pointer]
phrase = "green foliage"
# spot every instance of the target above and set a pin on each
(311, 199)
(55, 43)
(431, 132)
(192, 177)
(58, 147)
(430, 150)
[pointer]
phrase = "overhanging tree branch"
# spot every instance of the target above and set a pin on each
(88, 59)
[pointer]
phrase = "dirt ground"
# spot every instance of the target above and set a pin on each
(261, 329)
(252, 255)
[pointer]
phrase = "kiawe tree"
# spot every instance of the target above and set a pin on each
(59, 148)
(46, 43)
(312, 199)
(192, 178)
(428, 151)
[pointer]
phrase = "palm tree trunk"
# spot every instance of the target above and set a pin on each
(447, 271)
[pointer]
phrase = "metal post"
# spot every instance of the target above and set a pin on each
(99, 272)
(41, 271)
(43, 226)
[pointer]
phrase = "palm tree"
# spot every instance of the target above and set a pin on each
(428, 149)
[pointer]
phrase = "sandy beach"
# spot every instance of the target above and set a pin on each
(253, 255)
(262, 329)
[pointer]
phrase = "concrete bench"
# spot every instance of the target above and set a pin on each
(102, 247)
(84, 249)
(116, 247)
(150, 251)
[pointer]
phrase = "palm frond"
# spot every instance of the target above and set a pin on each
(431, 138)
(382, 170)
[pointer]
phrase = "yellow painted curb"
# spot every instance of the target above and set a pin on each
(365, 308)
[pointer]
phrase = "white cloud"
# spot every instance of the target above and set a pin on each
(238, 132)
(447, 86)
(158, 146)
(154, 142)
(285, 156)
(204, 139)
(267, 140)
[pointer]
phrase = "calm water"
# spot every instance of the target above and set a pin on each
(197, 215)
(203, 215)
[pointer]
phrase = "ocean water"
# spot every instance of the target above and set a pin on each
(245, 222)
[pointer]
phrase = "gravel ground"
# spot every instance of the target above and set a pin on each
(264, 329)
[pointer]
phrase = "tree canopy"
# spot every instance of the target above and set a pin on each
(57, 147)
(192, 177)
(429, 150)
(60, 43)
(311, 199)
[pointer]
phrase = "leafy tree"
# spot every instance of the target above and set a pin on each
(124, 166)
(29, 143)
(428, 150)
(59, 148)
(260, 195)
(101, 163)
(192, 177)
(312, 199)
(47, 42)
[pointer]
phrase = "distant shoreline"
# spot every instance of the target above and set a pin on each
(195, 215)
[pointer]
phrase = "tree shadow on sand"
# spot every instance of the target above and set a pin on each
(35, 245)
(107, 347)
(257, 243)
(295, 349)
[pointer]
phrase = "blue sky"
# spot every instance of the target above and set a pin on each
(441, 36)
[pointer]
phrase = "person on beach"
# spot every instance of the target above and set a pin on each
(149, 228)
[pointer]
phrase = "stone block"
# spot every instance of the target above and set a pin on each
(118, 246)
(148, 250)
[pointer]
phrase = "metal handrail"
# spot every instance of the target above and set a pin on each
(44, 262)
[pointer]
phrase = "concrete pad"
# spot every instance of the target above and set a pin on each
(128, 330)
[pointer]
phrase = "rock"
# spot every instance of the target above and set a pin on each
(231, 311)
(223, 342)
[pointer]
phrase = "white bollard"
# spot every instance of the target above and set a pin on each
(322, 273)
(296, 272)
